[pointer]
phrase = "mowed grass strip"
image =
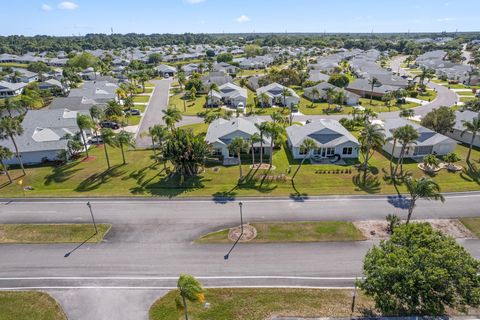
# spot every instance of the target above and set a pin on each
(259, 304)
(27, 305)
(472, 224)
(305, 231)
(52, 233)
(141, 98)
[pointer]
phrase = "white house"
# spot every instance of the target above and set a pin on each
(44, 135)
(331, 138)
(428, 142)
(8, 89)
(164, 69)
(221, 132)
(229, 94)
(274, 94)
(350, 98)
(456, 132)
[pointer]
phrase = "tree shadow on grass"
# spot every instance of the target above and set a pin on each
(96, 180)
(370, 185)
(297, 195)
(169, 186)
(471, 174)
(61, 173)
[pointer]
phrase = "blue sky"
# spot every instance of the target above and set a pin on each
(54, 17)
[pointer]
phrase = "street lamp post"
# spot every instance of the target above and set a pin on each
(240, 204)
(93, 218)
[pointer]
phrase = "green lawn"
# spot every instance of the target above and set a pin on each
(428, 95)
(141, 98)
(28, 305)
(51, 233)
(465, 93)
(148, 90)
(260, 304)
(306, 231)
(144, 177)
(192, 106)
(197, 128)
(150, 84)
(14, 65)
(251, 72)
(465, 99)
(473, 224)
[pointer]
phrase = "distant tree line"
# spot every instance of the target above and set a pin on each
(401, 42)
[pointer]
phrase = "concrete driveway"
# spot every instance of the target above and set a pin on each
(154, 114)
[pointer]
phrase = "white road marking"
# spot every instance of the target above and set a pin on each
(175, 278)
(171, 288)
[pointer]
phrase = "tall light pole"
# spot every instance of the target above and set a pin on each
(240, 204)
(93, 218)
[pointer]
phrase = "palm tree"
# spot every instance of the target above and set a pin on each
(315, 94)
(373, 82)
(264, 98)
(285, 93)
(9, 128)
(171, 116)
(10, 106)
(474, 128)
(426, 73)
(330, 95)
(5, 154)
(274, 130)
(189, 289)
(213, 87)
(306, 148)
(263, 128)
(16, 76)
(237, 146)
(113, 110)
(108, 137)
(430, 162)
(278, 117)
(84, 123)
(451, 158)
(255, 138)
(371, 137)
(423, 188)
(157, 133)
(181, 81)
(124, 138)
(143, 77)
(406, 136)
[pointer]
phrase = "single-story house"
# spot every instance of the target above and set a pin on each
(363, 88)
(316, 76)
(274, 92)
(23, 76)
(351, 98)
(456, 132)
(100, 91)
(229, 94)
(44, 135)
(9, 89)
(221, 132)
(429, 141)
(219, 78)
(225, 67)
(331, 138)
(54, 86)
(89, 74)
(190, 68)
(163, 70)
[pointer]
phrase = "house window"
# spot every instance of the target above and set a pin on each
(217, 152)
(302, 151)
(330, 151)
(423, 150)
(347, 150)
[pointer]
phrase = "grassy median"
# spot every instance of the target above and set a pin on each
(307, 231)
(473, 224)
(27, 305)
(51, 233)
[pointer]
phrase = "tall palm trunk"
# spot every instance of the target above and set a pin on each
(470, 148)
(365, 164)
(84, 142)
(261, 148)
(402, 154)
(185, 311)
(153, 147)
(17, 154)
(4, 166)
(240, 166)
(106, 155)
(392, 155)
(253, 155)
(271, 150)
(123, 153)
(300, 165)
(410, 209)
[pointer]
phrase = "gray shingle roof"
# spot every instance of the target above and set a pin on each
(220, 128)
(427, 137)
(325, 132)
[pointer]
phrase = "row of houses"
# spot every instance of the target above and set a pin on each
(331, 138)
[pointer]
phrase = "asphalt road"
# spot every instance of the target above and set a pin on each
(151, 243)
(154, 114)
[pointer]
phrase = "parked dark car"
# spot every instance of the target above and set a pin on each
(110, 125)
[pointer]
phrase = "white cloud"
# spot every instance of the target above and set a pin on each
(194, 1)
(46, 7)
(67, 5)
(243, 18)
(445, 19)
